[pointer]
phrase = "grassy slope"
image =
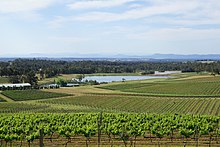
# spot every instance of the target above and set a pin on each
(2, 100)
(94, 98)
(142, 104)
(19, 95)
(187, 86)
(116, 100)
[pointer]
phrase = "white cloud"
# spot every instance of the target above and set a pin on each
(132, 14)
(175, 8)
(177, 34)
(14, 6)
(135, 6)
(69, 40)
(58, 22)
(96, 4)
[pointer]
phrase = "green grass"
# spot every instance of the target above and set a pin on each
(186, 94)
(189, 94)
(142, 104)
(207, 86)
(194, 94)
(2, 100)
(20, 107)
(25, 107)
(19, 95)
(206, 78)
(4, 80)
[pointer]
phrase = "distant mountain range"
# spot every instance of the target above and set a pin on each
(119, 57)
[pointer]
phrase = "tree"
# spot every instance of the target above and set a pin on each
(80, 77)
(61, 82)
(41, 74)
(14, 79)
(31, 78)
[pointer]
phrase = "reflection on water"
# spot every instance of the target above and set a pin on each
(120, 78)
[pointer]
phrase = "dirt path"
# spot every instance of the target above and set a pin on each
(6, 98)
(78, 91)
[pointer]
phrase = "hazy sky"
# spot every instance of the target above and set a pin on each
(132, 27)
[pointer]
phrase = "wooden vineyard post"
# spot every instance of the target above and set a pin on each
(41, 138)
(99, 129)
(197, 135)
(217, 131)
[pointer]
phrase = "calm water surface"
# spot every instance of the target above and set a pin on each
(120, 78)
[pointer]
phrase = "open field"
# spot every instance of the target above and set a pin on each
(1, 99)
(4, 98)
(19, 95)
(30, 107)
(143, 104)
(186, 95)
(175, 88)
(67, 77)
(194, 86)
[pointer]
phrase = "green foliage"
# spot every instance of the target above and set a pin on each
(4, 80)
(26, 127)
(1, 99)
(143, 104)
(20, 107)
(22, 95)
(61, 82)
(51, 68)
(80, 77)
(147, 72)
(28, 77)
(203, 87)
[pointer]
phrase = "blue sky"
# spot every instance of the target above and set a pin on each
(109, 27)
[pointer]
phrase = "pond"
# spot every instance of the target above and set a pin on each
(120, 78)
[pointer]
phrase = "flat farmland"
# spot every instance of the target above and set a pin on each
(19, 95)
(208, 86)
(142, 104)
(182, 95)
(194, 99)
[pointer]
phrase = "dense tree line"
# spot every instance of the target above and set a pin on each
(25, 70)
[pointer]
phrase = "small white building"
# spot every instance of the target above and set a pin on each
(49, 86)
(15, 86)
(72, 85)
